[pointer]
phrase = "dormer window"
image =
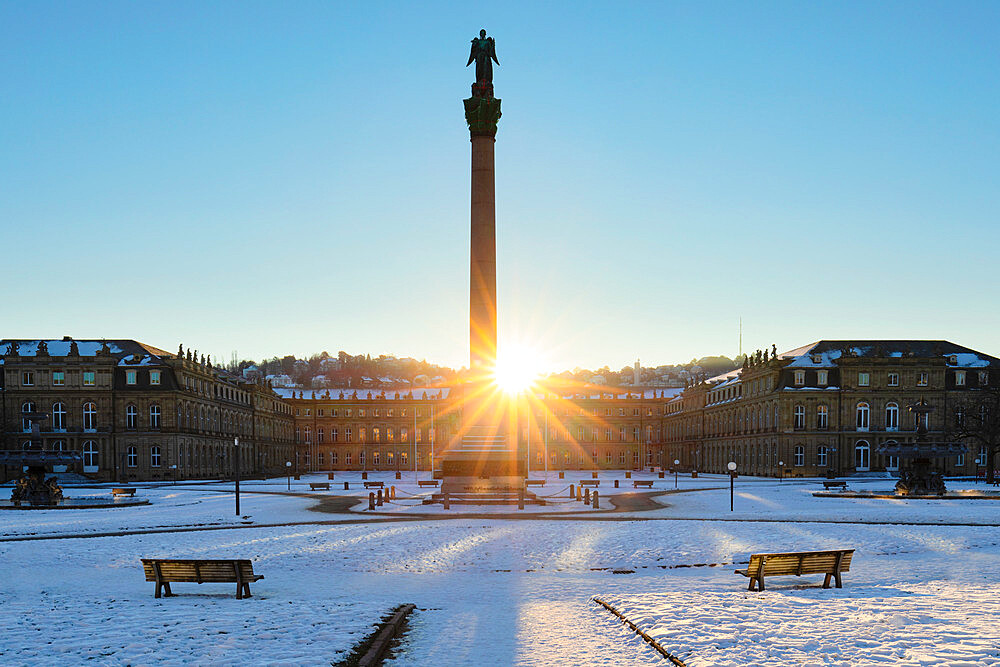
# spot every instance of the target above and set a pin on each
(953, 359)
(817, 358)
(984, 378)
(130, 377)
(154, 377)
(799, 378)
(821, 378)
(959, 378)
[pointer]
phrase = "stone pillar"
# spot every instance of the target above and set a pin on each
(482, 255)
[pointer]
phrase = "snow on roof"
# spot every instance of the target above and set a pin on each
(120, 348)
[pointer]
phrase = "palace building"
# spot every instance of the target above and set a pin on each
(827, 406)
(588, 429)
(136, 412)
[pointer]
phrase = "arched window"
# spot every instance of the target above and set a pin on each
(822, 417)
(799, 417)
(800, 455)
(891, 417)
(154, 416)
(862, 456)
(59, 445)
(26, 408)
(90, 456)
(863, 415)
(131, 417)
(154, 456)
(821, 456)
(132, 457)
(58, 417)
(89, 417)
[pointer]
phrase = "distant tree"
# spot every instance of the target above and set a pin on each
(976, 422)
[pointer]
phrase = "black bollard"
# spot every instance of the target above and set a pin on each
(392, 492)
(660, 474)
(447, 505)
(562, 475)
(399, 475)
(520, 499)
(596, 502)
(371, 500)
(571, 494)
(579, 493)
(586, 497)
(616, 484)
(628, 474)
(347, 486)
(329, 475)
(593, 475)
(364, 475)
(378, 498)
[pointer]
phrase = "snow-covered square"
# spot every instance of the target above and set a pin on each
(502, 587)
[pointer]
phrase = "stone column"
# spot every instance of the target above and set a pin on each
(483, 266)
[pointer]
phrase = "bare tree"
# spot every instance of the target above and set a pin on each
(977, 422)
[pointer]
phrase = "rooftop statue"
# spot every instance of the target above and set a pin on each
(484, 52)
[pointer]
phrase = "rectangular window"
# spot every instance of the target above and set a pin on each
(984, 378)
(333, 458)
(28, 379)
(921, 379)
(893, 380)
(319, 435)
(361, 412)
(319, 458)
(607, 457)
(799, 378)
(959, 378)
(130, 377)
(821, 457)
(404, 435)
(960, 460)
(347, 458)
(864, 379)
(821, 378)
(154, 377)
(333, 435)
(88, 379)
(347, 435)
(58, 378)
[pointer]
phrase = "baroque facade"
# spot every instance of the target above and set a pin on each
(384, 430)
(827, 406)
(136, 412)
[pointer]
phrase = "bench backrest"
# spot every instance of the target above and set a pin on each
(199, 571)
(802, 562)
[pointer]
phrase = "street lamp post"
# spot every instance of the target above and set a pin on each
(288, 470)
(781, 471)
(732, 479)
(237, 443)
(676, 463)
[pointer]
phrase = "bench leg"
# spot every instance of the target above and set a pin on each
(837, 577)
(239, 590)
(760, 582)
(826, 581)
(752, 583)
(246, 591)
(156, 589)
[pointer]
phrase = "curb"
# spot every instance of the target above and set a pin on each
(384, 638)
(635, 628)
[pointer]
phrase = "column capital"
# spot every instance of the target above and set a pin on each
(482, 114)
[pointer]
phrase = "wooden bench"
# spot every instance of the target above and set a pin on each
(830, 563)
(316, 486)
(124, 491)
(648, 483)
(832, 484)
(369, 485)
(590, 482)
(164, 571)
(427, 482)
(534, 482)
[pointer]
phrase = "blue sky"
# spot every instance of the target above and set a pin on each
(278, 178)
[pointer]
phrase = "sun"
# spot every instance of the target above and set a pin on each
(517, 368)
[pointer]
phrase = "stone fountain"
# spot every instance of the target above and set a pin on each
(919, 478)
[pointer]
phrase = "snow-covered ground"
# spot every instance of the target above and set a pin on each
(501, 591)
